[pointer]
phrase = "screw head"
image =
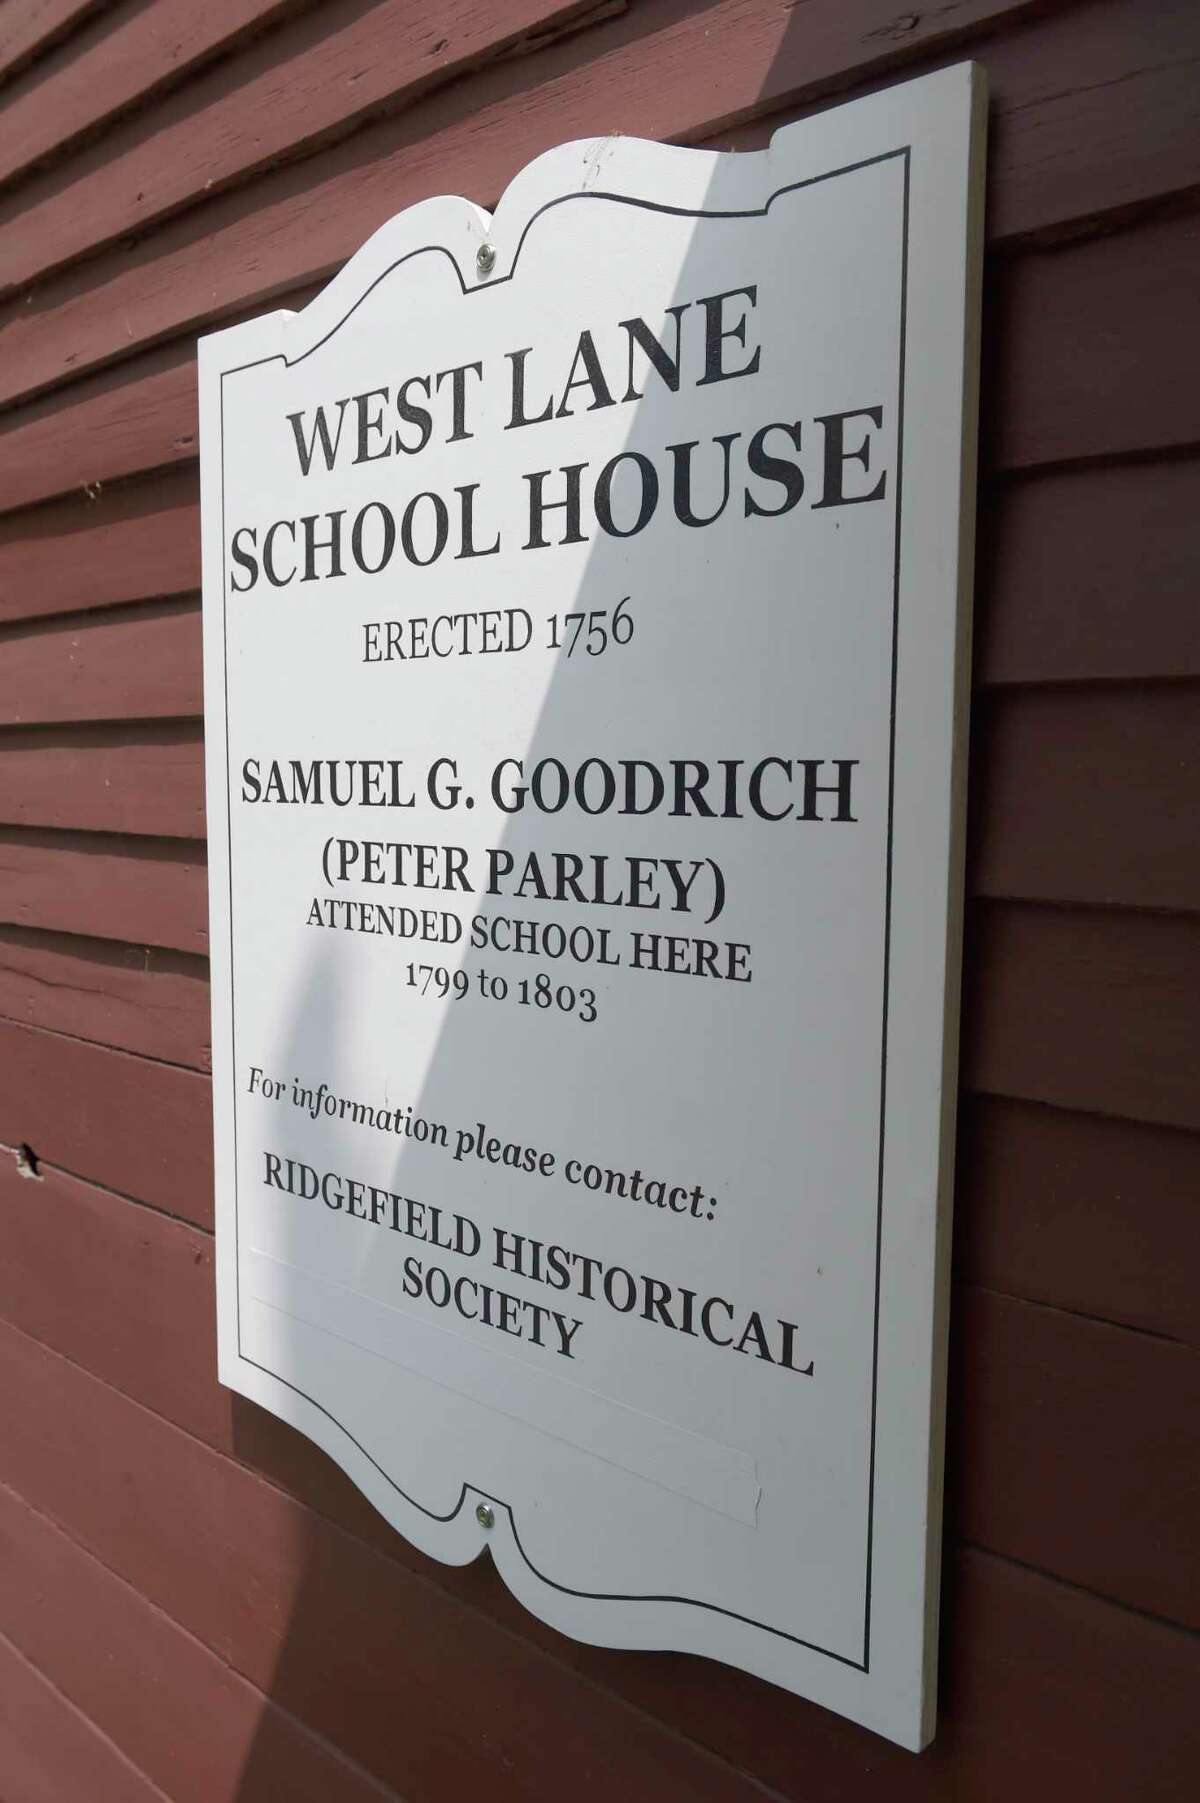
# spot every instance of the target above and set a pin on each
(485, 1515)
(485, 259)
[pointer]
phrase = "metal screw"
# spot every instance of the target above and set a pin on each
(485, 259)
(485, 1515)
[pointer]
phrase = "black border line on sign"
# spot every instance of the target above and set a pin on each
(904, 152)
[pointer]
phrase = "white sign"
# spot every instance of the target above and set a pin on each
(585, 641)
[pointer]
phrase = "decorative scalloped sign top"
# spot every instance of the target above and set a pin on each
(585, 626)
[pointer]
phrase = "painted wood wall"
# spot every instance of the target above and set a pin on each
(194, 1604)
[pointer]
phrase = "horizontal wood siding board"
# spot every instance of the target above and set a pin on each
(302, 85)
(136, 543)
(143, 664)
(105, 430)
(131, 1124)
(1050, 1015)
(1112, 144)
(1089, 575)
(125, 57)
(1076, 383)
(141, 890)
(68, 1246)
(122, 779)
(51, 1752)
(299, 224)
(1064, 377)
(265, 1582)
(1032, 1388)
(1085, 111)
(1090, 1215)
(111, 890)
(1073, 1449)
(201, 1732)
(29, 28)
(155, 1003)
(1088, 795)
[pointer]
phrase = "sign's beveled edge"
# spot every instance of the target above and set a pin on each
(638, 172)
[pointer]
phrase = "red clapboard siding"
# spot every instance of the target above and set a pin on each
(1088, 796)
(127, 544)
(1024, 1662)
(1087, 1214)
(1084, 122)
(75, 1255)
(1089, 106)
(284, 103)
(1077, 383)
(202, 1733)
(235, 1560)
(137, 890)
(105, 430)
(152, 1002)
(30, 27)
(1031, 1386)
(1049, 1014)
(1085, 106)
(1113, 143)
(137, 665)
(127, 779)
(1091, 351)
(305, 82)
(131, 1124)
(1089, 575)
(49, 1751)
(126, 57)
(1074, 1449)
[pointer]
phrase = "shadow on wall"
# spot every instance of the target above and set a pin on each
(409, 1666)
